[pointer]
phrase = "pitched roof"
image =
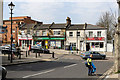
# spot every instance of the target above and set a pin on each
(27, 26)
(43, 26)
(76, 26)
(90, 26)
(58, 26)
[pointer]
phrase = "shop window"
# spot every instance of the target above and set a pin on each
(73, 44)
(101, 45)
(70, 33)
(96, 45)
(78, 33)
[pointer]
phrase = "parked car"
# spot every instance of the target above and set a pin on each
(39, 49)
(96, 55)
(3, 72)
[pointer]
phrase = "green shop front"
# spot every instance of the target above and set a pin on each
(52, 42)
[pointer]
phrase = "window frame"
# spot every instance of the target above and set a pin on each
(77, 34)
(98, 33)
(90, 32)
(70, 34)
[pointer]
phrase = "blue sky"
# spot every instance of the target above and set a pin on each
(48, 11)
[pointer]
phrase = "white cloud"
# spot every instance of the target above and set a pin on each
(47, 12)
(90, 12)
(44, 11)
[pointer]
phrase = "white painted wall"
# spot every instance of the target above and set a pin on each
(109, 47)
(73, 39)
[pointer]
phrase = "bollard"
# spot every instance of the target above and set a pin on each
(36, 54)
(26, 53)
(53, 55)
(8, 56)
(39, 54)
(20, 55)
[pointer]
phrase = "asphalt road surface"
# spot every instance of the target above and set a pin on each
(63, 68)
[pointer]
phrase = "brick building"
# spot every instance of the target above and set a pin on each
(17, 21)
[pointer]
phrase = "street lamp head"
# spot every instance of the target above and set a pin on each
(11, 6)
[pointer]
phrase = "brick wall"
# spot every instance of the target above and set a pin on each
(15, 29)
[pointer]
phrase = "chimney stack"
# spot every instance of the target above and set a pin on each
(68, 21)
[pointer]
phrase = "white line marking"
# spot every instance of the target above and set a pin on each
(38, 73)
(70, 65)
(11, 71)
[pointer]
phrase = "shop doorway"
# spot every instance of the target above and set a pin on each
(87, 46)
(81, 45)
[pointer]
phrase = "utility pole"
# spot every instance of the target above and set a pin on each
(117, 41)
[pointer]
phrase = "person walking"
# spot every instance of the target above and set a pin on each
(89, 63)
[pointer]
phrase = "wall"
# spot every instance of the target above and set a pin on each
(74, 39)
(109, 47)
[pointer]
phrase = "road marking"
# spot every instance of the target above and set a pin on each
(11, 71)
(70, 65)
(38, 73)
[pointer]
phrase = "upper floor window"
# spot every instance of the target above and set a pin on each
(99, 33)
(44, 33)
(37, 33)
(70, 33)
(90, 34)
(78, 33)
(56, 32)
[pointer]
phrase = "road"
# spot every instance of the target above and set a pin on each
(68, 66)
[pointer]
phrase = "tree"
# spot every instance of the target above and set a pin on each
(109, 21)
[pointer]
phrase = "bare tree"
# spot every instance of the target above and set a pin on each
(109, 21)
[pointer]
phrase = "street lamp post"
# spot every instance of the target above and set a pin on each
(77, 40)
(11, 6)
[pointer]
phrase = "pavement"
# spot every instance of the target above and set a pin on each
(29, 59)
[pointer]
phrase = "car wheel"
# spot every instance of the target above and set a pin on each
(103, 58)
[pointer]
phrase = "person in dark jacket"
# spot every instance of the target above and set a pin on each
(89, 63)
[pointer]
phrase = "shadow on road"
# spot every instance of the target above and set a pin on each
(38, 66)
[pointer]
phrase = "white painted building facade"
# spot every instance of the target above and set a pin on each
(24, 39)
(96, 40)
(91, 38)
(75, 40)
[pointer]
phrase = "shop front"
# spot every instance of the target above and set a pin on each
(95, 44)
(24, 41)
(46, 42)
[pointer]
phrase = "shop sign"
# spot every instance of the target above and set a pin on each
(57, 38)
(96, 38)
(45, 38)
